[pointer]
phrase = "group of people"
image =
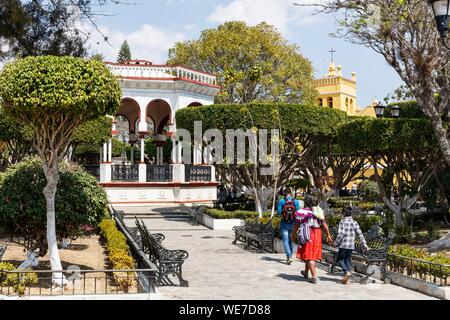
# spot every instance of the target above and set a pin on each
(303, 223)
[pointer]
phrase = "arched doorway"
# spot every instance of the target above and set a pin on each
(127, 122)
(159, 116)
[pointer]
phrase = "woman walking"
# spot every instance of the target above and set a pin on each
(308, 229)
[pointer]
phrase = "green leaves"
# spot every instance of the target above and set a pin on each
(80, 201)
(36, 88)
(252, 63)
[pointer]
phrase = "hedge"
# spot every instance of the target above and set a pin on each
(295, 120)
(116, 244)
(365, 221)
(222, 214)
(368, 135)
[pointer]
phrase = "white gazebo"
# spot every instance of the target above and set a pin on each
(151, 96)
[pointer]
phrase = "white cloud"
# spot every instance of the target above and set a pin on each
(280, 13)
(147, 43)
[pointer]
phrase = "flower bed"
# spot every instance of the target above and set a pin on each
(117, 246)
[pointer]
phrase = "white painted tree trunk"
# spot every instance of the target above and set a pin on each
(50, 193)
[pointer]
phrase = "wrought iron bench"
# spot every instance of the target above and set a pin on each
(378, 243)
(2, 250)
(256, 234)
(135, 231)
(168, 262)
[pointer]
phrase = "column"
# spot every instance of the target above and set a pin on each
(105, 152)
(142, 150)
(110, 151)
(174, 151)
(179, 152)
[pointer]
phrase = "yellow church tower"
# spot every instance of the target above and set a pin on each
(337, 92)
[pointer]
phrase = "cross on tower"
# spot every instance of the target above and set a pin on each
(332, 51)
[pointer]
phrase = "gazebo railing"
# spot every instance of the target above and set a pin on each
(125, 172)
(198, 173)
(159, 173)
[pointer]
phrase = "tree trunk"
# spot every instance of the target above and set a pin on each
(440, 132)
(52, 176)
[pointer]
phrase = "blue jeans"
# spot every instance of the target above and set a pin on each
(344, 259)
(286, 232)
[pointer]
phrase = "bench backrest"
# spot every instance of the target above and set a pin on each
(257, 227)
(149, 242)
(2, 250)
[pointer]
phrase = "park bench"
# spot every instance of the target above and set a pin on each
(2, 250)
(168, 262)
(256, 234)
(378, 243)
(135, 232)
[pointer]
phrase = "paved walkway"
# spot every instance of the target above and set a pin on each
(216, 269)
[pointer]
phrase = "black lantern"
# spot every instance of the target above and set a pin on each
(441, 9)
(379, 109)
(395, 111)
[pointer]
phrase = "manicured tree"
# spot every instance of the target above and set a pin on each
(404, 149)
(124, 53)
(54, 96)
(299, 126)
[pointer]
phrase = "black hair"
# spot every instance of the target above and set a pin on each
(287, 192)
(309, 201)
(347, 211)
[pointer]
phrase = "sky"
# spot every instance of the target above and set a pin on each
(152, 27)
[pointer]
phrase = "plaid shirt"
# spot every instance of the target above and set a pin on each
(348, 228)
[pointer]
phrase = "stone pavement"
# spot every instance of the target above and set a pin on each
(216, 269)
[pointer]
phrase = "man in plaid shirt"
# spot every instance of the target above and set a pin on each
(345, 240)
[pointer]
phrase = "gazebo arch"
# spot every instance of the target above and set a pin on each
(195, 104)
(129, 109)
(160, 112)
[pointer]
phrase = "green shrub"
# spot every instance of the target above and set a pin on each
(18, 281)
(80, 201)
(116, 244)
(370, 190)
(340, 203)
(401, 265)
(243, 215)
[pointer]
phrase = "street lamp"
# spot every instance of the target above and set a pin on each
(379, 109)
(441, 10)
(395, 111)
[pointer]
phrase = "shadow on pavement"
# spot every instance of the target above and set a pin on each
(282, 261)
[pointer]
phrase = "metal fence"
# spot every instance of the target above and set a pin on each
(128, 173)
(79, 282)
(198, 173)
(419, 269)
(159, 173)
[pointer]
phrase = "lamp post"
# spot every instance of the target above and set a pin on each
(395, 111)
(441, 10)
(379, 109)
